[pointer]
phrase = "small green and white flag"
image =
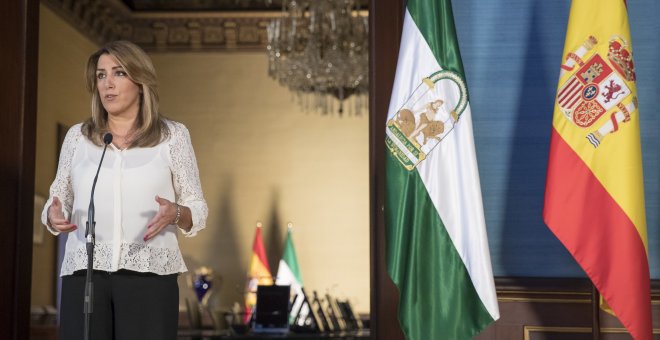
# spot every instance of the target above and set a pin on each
(288, 273)
(437, 247)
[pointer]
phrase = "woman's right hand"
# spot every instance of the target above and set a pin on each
(56, 217)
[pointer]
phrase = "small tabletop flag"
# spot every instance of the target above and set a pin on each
(288, 272)
(258, 273)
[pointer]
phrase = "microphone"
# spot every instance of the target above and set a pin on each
(107, 138)
(89, 232)
(89, 235)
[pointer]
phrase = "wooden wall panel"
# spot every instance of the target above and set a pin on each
(554, 308)
(18, 66)
(385, 23)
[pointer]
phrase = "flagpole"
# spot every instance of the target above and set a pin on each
(595, 309)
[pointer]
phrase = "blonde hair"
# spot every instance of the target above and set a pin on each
(150, 127)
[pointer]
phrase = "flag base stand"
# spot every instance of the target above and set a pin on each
(595, 310)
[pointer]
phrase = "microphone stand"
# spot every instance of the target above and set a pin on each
(90, 236)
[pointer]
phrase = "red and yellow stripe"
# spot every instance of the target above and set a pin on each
(600, 235)
(594, 200)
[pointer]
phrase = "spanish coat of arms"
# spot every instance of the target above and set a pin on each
(598, 86)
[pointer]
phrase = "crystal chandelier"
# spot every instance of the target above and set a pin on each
(319, 50)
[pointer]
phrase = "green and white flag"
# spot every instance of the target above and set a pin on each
(437, 247)
(288, 273)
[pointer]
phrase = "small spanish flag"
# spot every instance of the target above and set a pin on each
(258, 273)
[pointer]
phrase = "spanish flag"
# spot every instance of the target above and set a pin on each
(258, 274)
(594, 198)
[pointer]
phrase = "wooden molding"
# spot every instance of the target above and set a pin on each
(555, 308)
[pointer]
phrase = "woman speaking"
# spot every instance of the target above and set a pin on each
(148, 190)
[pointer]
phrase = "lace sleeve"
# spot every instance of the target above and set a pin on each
(61, 186)
(186, 177)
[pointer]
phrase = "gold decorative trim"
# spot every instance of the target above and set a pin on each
(531, 292)
(106, 20)
(567, 296)
(541, 300)
(543, 329)
(655, 298)
(207, 15)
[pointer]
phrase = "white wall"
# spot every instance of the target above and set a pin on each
(262, 159)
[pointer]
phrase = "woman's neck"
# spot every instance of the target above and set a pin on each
(122, 130)
(121, 125)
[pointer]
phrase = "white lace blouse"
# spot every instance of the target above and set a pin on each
(124, 201)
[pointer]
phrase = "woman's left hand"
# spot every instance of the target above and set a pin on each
(165, 216)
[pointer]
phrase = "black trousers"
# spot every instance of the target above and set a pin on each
(127, 305)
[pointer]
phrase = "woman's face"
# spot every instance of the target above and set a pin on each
(119, 94)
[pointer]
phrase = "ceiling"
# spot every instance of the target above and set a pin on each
(203, 5)
(173, 25)
(212, 5)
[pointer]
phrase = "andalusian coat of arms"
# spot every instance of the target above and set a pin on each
(426, 118)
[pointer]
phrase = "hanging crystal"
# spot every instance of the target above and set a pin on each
(319, 48)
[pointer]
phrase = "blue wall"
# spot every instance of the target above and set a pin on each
(511, 51)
